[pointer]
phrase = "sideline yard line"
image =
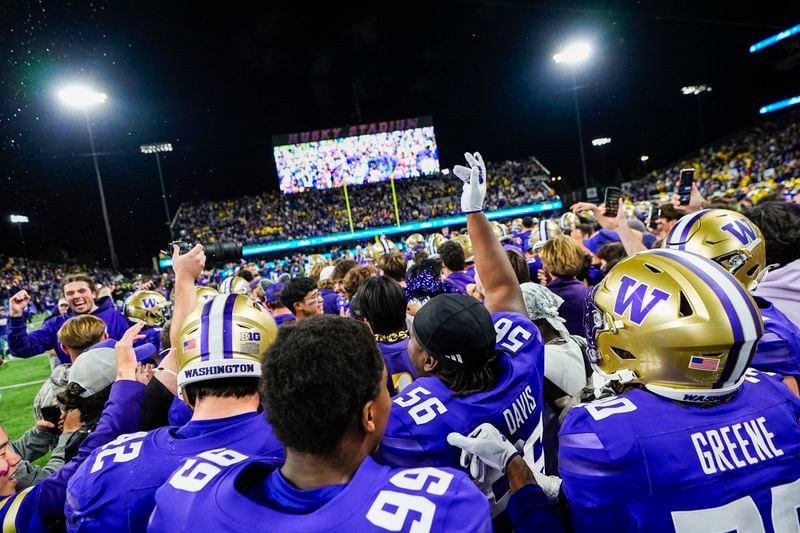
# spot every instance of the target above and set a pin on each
(17, 385)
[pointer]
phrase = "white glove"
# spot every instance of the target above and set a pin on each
(474, 179)
(483, 451)
(551, 485)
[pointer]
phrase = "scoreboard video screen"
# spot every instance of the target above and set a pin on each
(356, 155)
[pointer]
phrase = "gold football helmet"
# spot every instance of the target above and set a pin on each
(643, 209)
(224, 338)
(465, 243)
(147, 306)
(413, 240)
(382, 246)
(205, 294)
(675, 322)
(316, 259)
(499, 229)
(234, 285)
(433, 242)
(727, 237)
(568, 222)
(546, 230)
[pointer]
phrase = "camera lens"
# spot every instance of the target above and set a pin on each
(224, 250)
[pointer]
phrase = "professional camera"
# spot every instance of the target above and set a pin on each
(220, 251)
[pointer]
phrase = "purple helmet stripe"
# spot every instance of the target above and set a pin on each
(204, 330)
(227, 327)
(543, 233)
(738, 334)
(683, 226)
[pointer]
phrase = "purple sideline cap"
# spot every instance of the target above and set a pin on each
(602, 237)
(271, 291)
(96, 368)
(513, 248)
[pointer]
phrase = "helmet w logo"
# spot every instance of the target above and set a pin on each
(741, 230)
(149, 303)
(639, 298)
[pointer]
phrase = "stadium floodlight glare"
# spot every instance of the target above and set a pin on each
(695, 89)
(644, 158)
(19, 220)
(155, 148)
(780, 105)
(83, 98)
(574, 53)
(785, 34)
(80, 96)
(601, 141)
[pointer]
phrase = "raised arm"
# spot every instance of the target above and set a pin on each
(502, 292)
(187, 268)
(20, 342)
(631, 239)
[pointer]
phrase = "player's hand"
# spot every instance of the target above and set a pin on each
(696, 201)
(621, 220)
(485, 449)
(124, 354)
(474, 179)
(19, 302)
(580, 207)
(45, 425)
(189, 265)
(144, 373)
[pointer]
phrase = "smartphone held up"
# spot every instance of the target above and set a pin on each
(685, 186)
(613, 194)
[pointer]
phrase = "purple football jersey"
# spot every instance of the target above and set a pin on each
(179, 413)
(640, 462)
(426, 411)
(460, 280)
(398, 365)
(114, 489)
(779, 349)
(223, 491)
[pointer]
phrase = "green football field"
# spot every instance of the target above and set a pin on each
(20, 380)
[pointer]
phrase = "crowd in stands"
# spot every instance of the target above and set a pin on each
(275, 216)
(745, 166)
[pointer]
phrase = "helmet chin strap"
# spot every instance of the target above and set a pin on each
(761, 277)
(601, 380)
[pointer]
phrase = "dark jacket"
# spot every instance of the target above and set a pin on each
(574, 307)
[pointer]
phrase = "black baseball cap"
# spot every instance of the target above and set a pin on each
(455, 329)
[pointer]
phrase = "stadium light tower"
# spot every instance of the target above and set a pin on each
(83, 98)
(572, 56)
(600, 142)
(698, 90)
(157, 148)
(19, 220)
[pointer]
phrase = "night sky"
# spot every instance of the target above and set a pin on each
(219, 81)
